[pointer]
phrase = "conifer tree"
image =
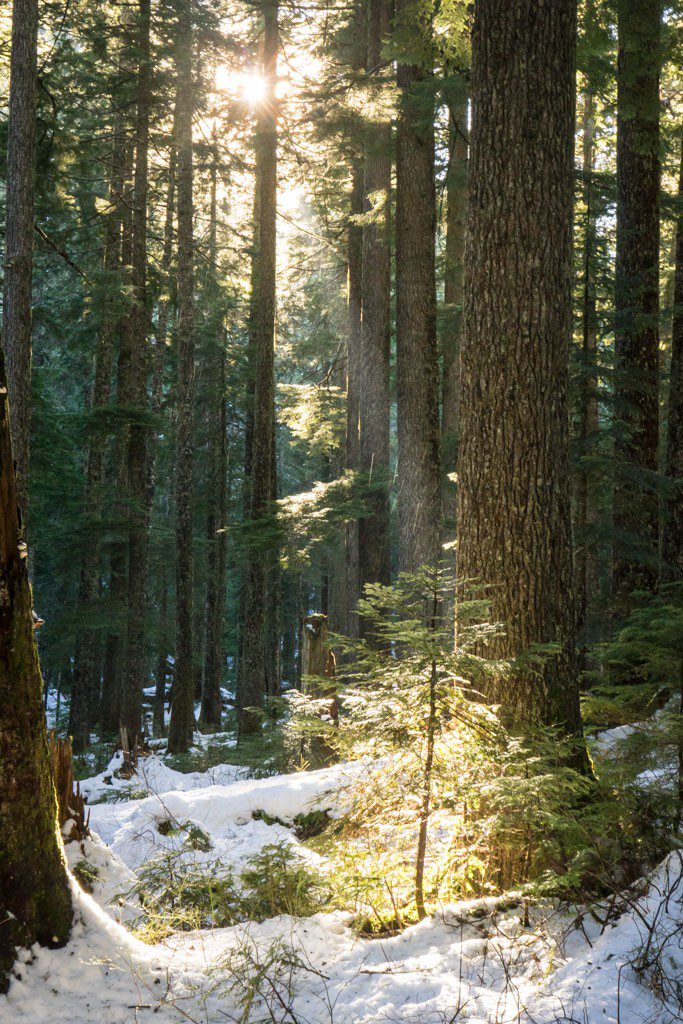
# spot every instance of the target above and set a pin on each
(375, 401)
(456, 219)
(137, 435)
(513, 510)
(17, 290)
(672, 525)
(35, 901)
(417, 372)
(636, 396)
(181, 728)
(258, 635)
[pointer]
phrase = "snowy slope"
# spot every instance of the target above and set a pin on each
(474, 962)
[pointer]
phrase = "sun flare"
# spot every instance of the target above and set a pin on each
(249, 87)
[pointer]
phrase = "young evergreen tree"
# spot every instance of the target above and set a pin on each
(636, 394)
(514, 530)
(417, 368)
(181, 727)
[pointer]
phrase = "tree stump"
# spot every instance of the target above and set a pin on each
(70, 801)
(319, 664)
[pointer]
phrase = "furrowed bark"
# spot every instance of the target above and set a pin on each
(18, 262)
(513, 493)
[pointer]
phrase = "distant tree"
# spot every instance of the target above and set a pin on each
(375, 399)
(672, 526)
(216, 518)
(456, 219)
(181, 727)
(636, 396)
(259, 636)
(417, 367)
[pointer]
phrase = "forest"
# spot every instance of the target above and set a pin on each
(341, 511)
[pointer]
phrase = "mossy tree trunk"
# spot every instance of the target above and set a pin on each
(35, 900)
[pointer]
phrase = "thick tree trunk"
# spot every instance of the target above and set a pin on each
(257, 634)
(456, 220)
(35, 901)
(138, 430)
(587, 580)
(636, 397)
(513, 506)
(672, 527)
(375, 403)
(182, 723)
(18, 264)
(417, 366)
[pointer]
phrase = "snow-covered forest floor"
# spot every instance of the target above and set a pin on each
(478, 961)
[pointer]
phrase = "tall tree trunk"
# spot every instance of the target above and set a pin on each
(35, 900)
(87, 653)
(216, 520)
(417, 366)
(112, 677)
(353, 382)
(16, 301)
(181, 727)
(636, 397)
(672, 527)
(587, 581)
(513, 505)
(257, 629)
(375, 402)
(138, 430)
(456, 220)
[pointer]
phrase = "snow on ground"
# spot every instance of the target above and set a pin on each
(475, 961)
(229, 816)
(469, 963)
(153, 776)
